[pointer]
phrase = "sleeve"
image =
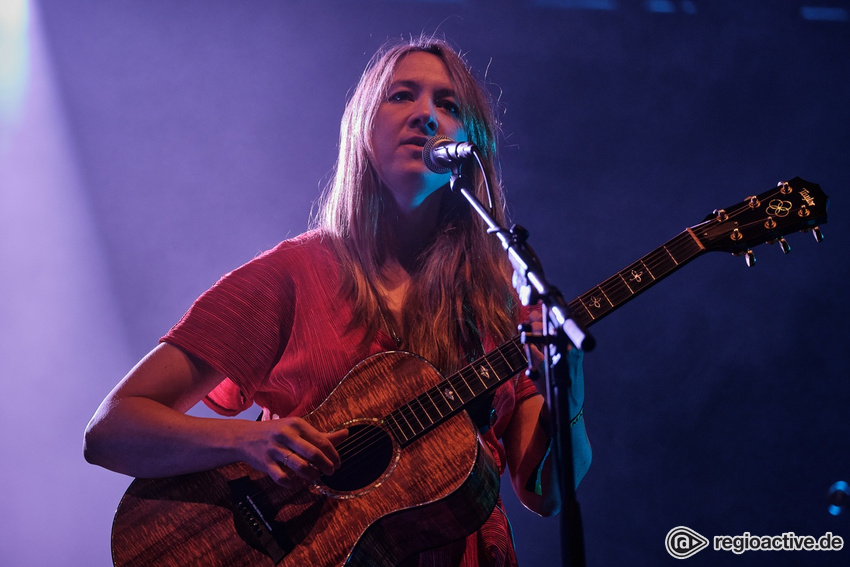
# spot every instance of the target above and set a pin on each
(525, 388)
(240, 327)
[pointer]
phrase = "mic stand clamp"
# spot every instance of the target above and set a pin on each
(559, 333)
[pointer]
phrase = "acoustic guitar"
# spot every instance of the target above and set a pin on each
(413, 474)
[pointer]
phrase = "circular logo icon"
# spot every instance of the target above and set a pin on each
(682, 542)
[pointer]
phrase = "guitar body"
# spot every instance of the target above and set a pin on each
(436, 489)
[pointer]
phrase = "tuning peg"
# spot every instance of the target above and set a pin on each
(786, 248)
(817, 234)
(748, 256)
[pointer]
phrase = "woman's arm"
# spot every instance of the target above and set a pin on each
(527, 445)
(141, 428)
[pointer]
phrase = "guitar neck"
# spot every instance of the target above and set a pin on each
(453, 394)
(602, 300)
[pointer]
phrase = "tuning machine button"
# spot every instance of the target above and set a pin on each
(749, 257)
(783, 244)
(817, 234)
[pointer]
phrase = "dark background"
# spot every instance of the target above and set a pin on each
(200, 133)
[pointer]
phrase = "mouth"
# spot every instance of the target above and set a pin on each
(418, 141)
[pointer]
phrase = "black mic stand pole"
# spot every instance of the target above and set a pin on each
(559, 331)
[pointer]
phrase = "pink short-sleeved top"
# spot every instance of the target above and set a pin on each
(277, 328)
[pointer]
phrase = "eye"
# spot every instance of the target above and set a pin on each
(449, 106)
(399, 96)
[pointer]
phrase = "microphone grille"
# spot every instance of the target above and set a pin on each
(428, 157)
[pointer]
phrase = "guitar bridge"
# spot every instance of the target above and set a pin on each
(256, 526)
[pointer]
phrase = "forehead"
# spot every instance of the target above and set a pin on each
(421, 67)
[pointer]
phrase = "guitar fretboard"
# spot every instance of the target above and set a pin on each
(612, 293)
(452, 394)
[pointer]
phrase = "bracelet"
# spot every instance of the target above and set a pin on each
(535, 481)
(578, 416)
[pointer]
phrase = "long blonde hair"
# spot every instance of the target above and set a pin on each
(462, 288)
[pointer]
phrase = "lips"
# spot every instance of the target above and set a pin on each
(418, 141)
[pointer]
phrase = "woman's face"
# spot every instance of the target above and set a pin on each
(421, 103)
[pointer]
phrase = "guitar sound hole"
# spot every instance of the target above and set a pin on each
(365, 455)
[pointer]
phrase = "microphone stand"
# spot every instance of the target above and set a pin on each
(559, 332)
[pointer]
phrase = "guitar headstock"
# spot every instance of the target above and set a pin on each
(791, 206)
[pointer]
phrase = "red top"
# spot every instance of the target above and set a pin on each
(276, 328)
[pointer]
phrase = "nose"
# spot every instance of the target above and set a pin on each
(424, 117)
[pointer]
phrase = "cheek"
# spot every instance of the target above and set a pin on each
(456, 132)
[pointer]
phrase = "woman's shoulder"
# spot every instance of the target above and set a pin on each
(313, 248)
(304, 263)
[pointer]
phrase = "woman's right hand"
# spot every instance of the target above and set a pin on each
(141, 428)
(289, 448)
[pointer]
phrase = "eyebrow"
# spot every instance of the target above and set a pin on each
(411, 84)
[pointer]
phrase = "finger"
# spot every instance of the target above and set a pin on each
(300, 466)
(318, 452)
(337, 437)
(312, 446)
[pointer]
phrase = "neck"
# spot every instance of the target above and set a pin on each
(410, 228)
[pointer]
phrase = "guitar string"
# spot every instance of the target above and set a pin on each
(366, 439)
(680, 243)
(615, 286)
(418, 419)
(657, 260)
(418, 409)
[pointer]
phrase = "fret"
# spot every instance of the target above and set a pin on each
(662, 262)
(503, 357)
(449, 395)
(635, 278)
(417, 414)
(416, 417)
(688, 246)
(397, 432)
(425, 402)
(498, 365)
(646, 266)
(441, 412)
(615, 291)
(482, 374)
(520, 362)
(670, 255)
(404, 424)
(465, 383)
(580, 312)
(442, 404)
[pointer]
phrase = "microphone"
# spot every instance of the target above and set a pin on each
(441, 153)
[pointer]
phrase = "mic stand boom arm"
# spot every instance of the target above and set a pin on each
(559, 332)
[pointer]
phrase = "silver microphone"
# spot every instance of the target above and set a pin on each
(441, 153)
